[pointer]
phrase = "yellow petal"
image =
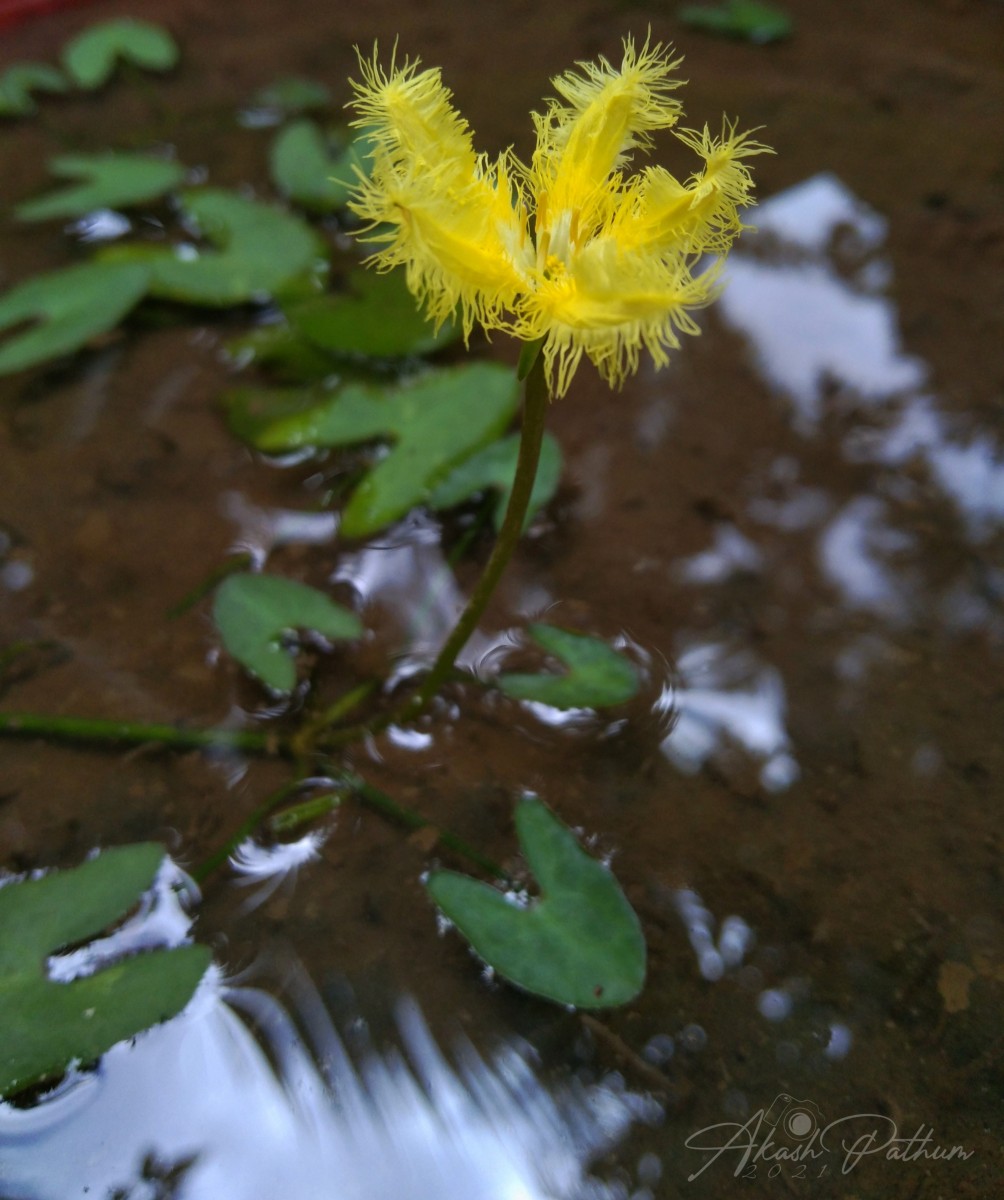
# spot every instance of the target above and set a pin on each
(458, 243)
(609, 306)
(454, 221)
(608, 113)
(409, 119)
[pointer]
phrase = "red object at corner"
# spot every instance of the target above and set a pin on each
(13, 11)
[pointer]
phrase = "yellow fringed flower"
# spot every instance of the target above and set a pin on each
(567, 250)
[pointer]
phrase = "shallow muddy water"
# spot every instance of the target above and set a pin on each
(798, 524)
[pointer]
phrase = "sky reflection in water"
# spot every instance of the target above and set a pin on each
(809, 293)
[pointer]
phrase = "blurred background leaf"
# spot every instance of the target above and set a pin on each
(258, 249)
(71, 306)
(91, 57)
(107, 181)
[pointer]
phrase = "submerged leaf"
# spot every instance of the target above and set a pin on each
(306, 168)
(434, 422)
(109, 181)
(48, 1024)
(293, 95)
(20, 80)
(376, 316)
(579, 943)
(748, 19)
(494, 468)
(90, 57)
(287, 355)
(597, 675)
(258, 250)
(72, 306)
(254, 613)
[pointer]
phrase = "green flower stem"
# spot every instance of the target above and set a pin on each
(136, 733)
(535, 404)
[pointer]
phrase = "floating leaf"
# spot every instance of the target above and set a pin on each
(256, 613)
(580, 943)
(20, 80)
(305, 168)
(72, 306)
(494, 468)
(90, 57)
(434, 421)
(376, 316)
(110, 181)
(747, 19)
(259, 249)
(597, 675)
(47, 1024)
(293, 95)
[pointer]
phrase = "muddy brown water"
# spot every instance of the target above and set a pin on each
(802, 516)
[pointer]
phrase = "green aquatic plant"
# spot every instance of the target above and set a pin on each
(19, 81)
(70, 307)
(492, 470)
(256, 249)
(311, 168)
(91, 57)
(595, 675)
(573, 254)
(428, 423)
(748, 20)
(578, 942)
(105, 181)
(88, 61)
(255, 614)
(48, 1023)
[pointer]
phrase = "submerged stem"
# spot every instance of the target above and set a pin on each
(136, 733)
(411, 819)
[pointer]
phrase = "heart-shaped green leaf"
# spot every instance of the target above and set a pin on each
(433, 421)
(307, 168)
(494, 468)
(579, 943)
(109, 181)
(72, 306)
(258, 250)
(747, 19)
(20, 80)
(90, 57)
(256, 613)
(48, 1024)
(376, 316)
(597, 676)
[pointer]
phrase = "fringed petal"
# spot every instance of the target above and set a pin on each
(610, 270)
(452, 219)
(608, 113)
(609, 307)
(408, 117)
